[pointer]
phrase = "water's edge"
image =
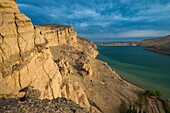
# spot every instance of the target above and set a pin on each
(140, 67)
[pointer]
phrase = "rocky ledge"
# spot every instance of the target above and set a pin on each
(53, 61)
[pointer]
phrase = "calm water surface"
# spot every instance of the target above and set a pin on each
(145, 69)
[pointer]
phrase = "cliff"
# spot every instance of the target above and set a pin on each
(161, 45)
(58, 34)
(53, 62)
(24, 58)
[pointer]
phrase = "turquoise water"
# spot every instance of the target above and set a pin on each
(145, 69)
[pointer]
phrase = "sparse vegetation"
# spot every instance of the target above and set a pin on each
(158, 93)
(166, 106)
(150, 93)
(140, 106)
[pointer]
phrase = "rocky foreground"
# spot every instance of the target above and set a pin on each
(160, 45)
(53, 61)
(58, 105)
(31, 104)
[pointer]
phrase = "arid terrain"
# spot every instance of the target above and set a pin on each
(54, 62)
(161, 45)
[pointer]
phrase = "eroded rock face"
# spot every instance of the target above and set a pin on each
(26, 60)
(87, 47)
(104, 89)
(58, 34)
(73, 91)
(56, 63)
(8, 6)
(24, 57)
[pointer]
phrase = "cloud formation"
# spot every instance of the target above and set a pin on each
(103, 18)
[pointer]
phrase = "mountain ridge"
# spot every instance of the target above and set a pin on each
(160, 45)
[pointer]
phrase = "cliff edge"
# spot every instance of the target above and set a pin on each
(54, 62)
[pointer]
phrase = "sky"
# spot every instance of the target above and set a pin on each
(103, 19)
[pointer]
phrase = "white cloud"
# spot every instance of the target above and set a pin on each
(82, 13)
(142, 33)
(27, 6)
(83, 24)
(23, 5)
(102, 19)
(154, 12)
(129, 34)
(156, 9)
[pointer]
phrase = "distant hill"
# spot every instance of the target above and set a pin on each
(161, 45)
(115, 44)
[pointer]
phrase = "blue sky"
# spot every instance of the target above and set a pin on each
(103, 19)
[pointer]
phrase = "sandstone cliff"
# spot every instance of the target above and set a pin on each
(58, 34)
(161, 45)
(25, 57)
(53, 61)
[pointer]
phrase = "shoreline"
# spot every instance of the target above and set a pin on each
(124, 78)
(116, 44)
(156, 51)
(114, 70)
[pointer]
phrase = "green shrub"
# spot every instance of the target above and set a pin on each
(149, 93)
(153, 93)
(166, 106)
(158, 93)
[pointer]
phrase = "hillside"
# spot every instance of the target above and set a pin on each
(161, 45)
(54, 63)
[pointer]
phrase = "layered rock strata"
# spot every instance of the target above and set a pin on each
(52, 60)
(58, 34)
(25, 60)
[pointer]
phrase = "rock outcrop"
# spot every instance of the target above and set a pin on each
(46, 62)
(58, 34)
(101, 84)
(24, 58)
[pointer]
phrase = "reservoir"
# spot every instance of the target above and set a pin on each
(146, 69)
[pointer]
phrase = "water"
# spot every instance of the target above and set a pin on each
(145, 69)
